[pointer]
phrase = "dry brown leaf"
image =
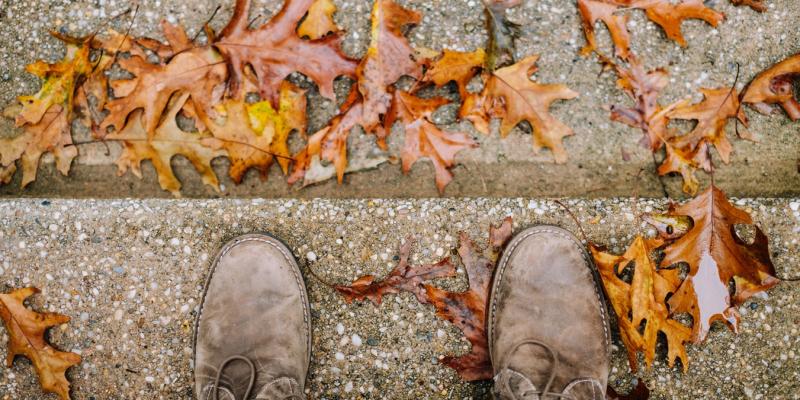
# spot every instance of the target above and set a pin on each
(50, 135)
(525, 100)
(461, 68)
(423, 139)
(167, 142)
(670, 15)
(403, 278)
(319, 21)
(643, 299)
(681, 162)
(389, 57)
(274, 51)
(776, 86)
(466, 310)
(197, 71)
(26, 337)
(717, 256)
(643, 87)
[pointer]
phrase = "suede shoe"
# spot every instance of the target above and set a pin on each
(253, 333)
(548, 328)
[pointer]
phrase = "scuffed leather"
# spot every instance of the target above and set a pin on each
(283, 388)
(544, 289)
(255, 306)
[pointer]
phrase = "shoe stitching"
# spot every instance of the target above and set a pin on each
(295, 270)
(559, 232)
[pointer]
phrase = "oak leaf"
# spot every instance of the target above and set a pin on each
(166, 142)
(403, 278)
(60, 80)
(50, 135)
(319, 21)
(502, 33)
(279, 124)
(423, 139)
(523, 99)
(668, 14)
(757, 5)
(717, 256)
(26, 337)
(197, 71)
(712, 115)
(466, 310)
(643, 299)
(683, 162)
(389, 57)
(600, 10)
(329, 144)
(776, 86)
(274, 51)
(461, 68)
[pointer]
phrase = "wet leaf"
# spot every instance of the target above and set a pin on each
(423, 139)
(717, 256)
(776, 86)
(319, 21)
(167, 141)
(274, 50)
(642, 301)
(502, 33)
(26, 337)
(50, 135)
(389, 57)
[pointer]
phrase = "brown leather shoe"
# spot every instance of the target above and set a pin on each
(547, 324)
(253, 332)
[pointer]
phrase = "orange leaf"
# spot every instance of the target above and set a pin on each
(50, 135)
(26, 337)
(643, 299)
(275, 50)
(319, 21)
(423, 138)
(167, 142)
(775, 86)
(526, 100)
(197, 71)
(717, 256)
(599, 10)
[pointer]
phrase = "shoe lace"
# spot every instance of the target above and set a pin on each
(551, 376)
(249, 384)
(222, 368)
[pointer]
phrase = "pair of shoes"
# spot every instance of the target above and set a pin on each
(547, 323)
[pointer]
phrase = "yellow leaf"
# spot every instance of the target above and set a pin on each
(319, 20)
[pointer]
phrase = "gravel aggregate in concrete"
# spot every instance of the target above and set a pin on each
(130, 274)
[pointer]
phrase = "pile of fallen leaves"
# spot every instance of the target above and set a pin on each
(698, 271)
(688, 151)
(235, 94)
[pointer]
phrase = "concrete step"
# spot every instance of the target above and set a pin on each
(596, 167)
(130, 273)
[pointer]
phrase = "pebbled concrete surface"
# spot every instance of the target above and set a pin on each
(500, 167)
(130, 274)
